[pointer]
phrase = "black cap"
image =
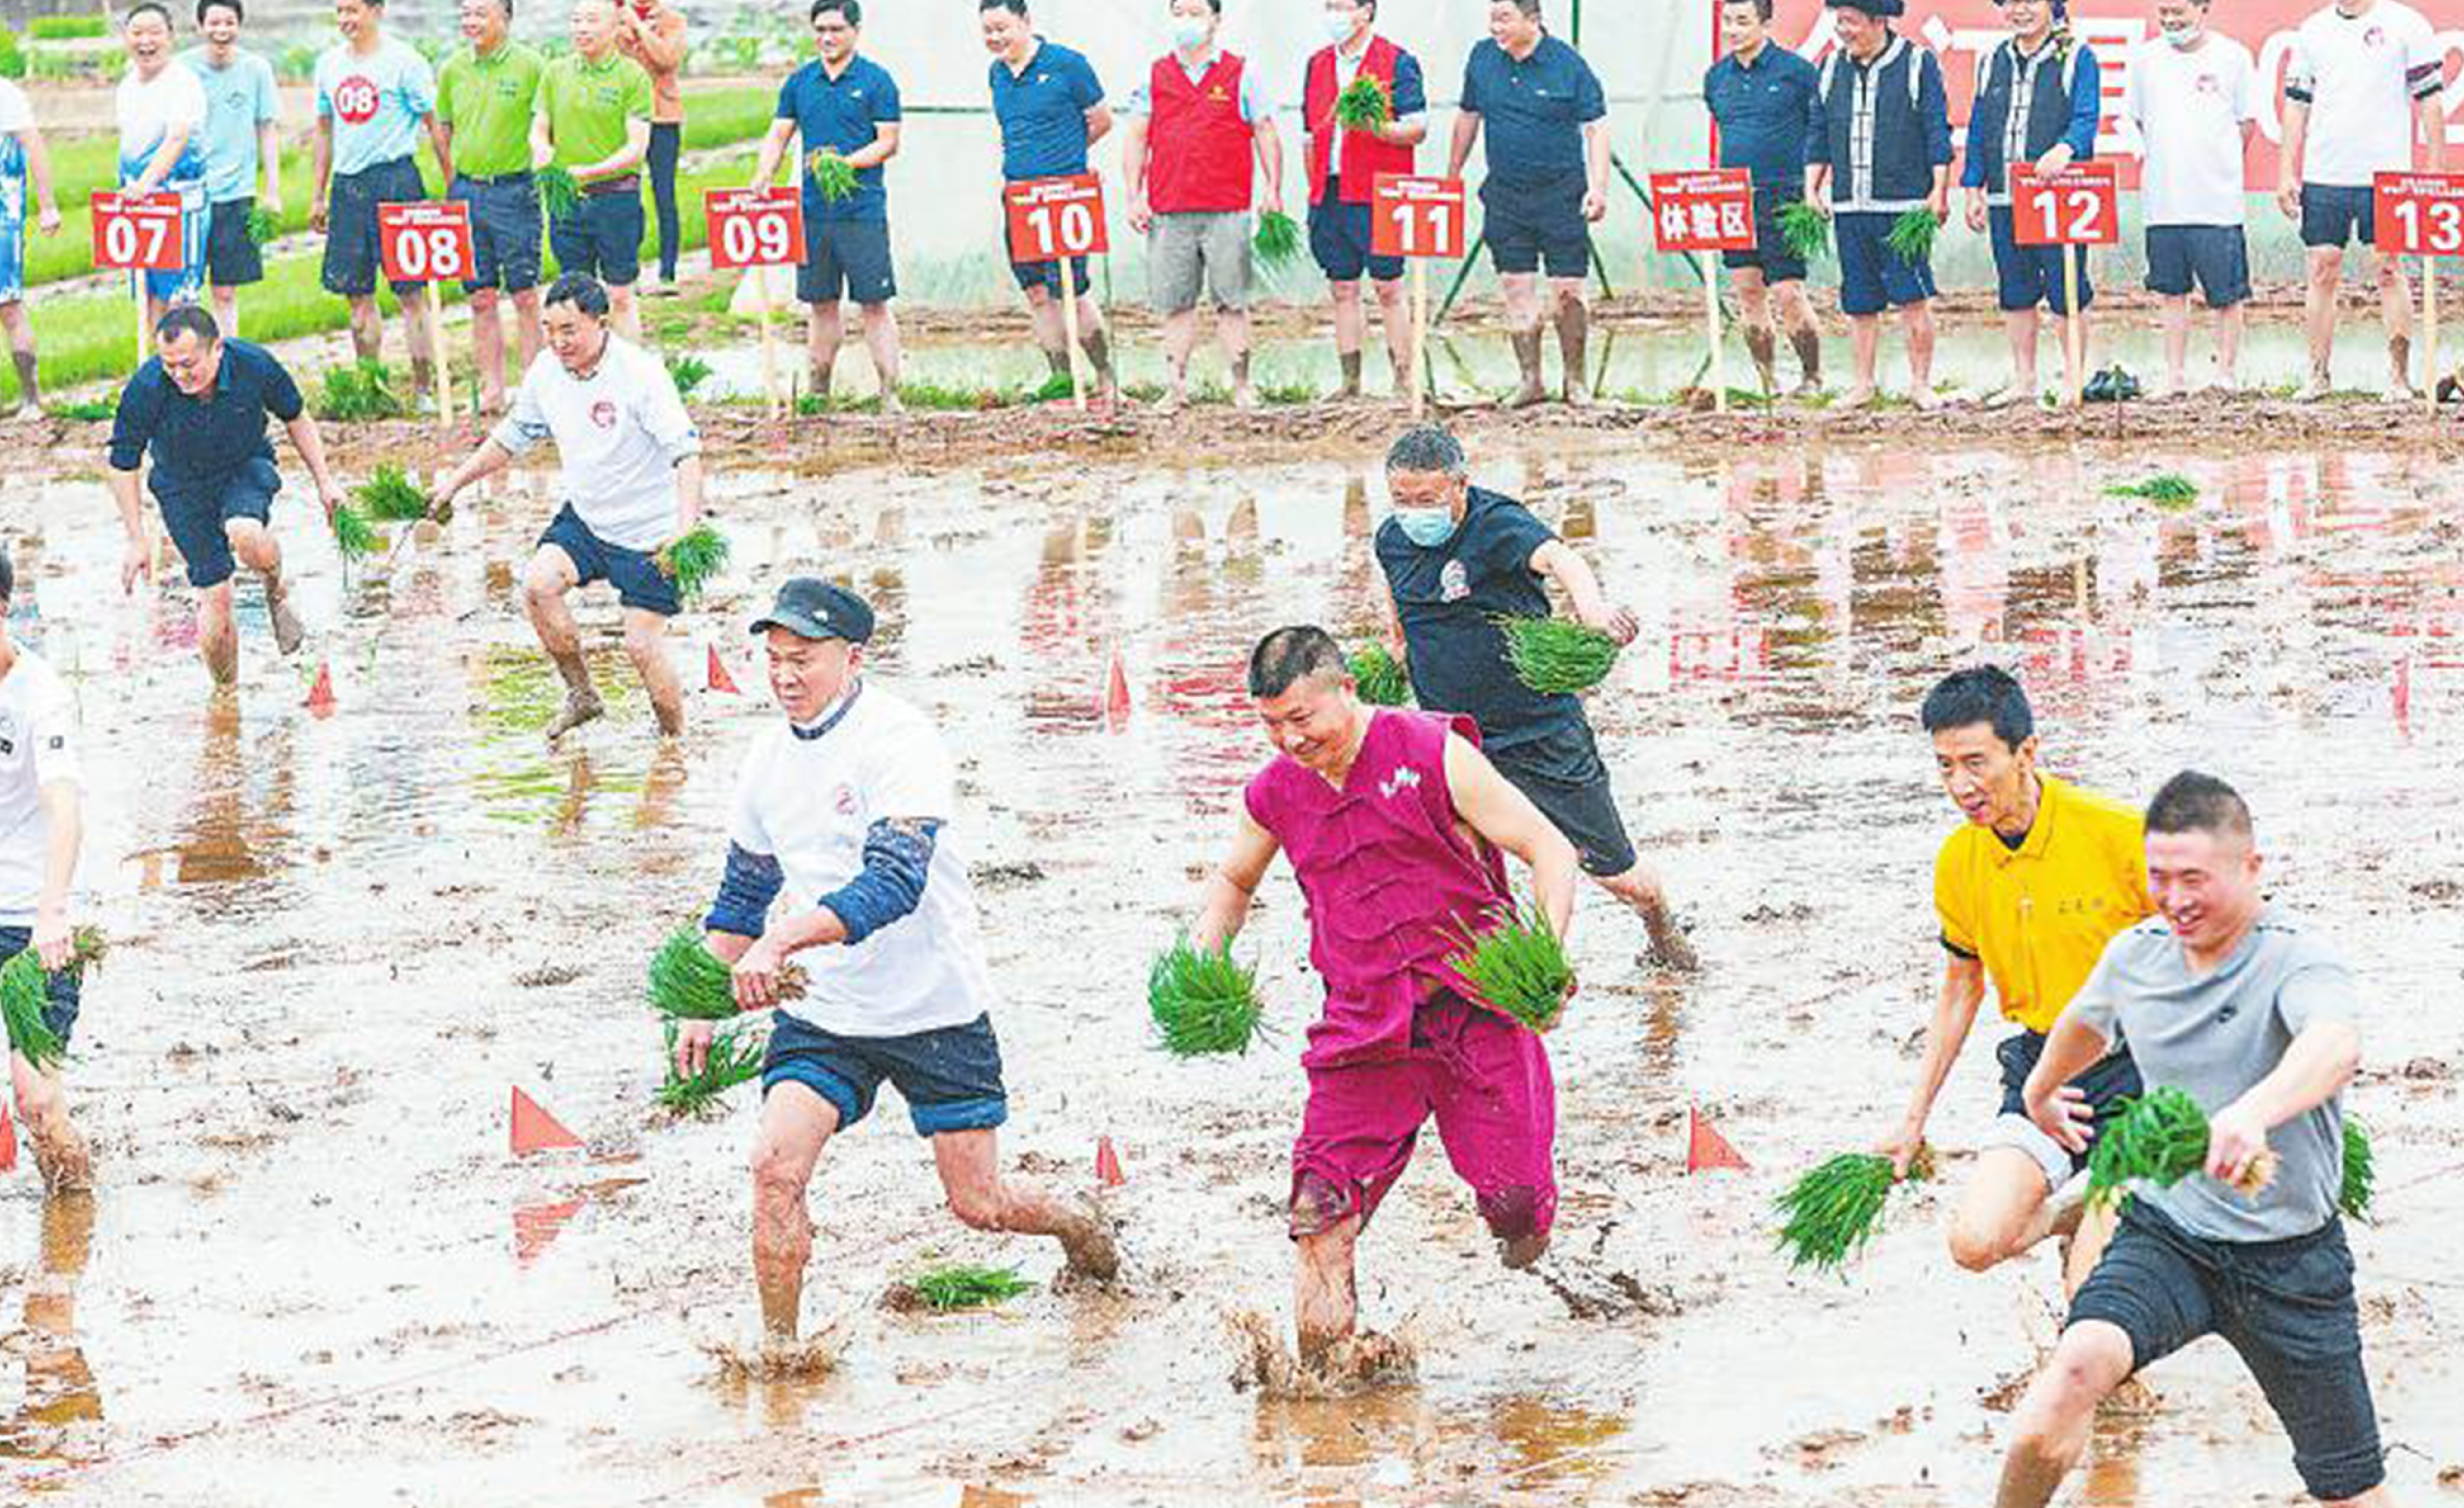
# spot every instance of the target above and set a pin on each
(818, 609)
(1884, 10)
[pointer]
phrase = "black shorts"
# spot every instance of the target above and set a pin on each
(59, 989)
(2214, 257)
(2287, 1306)
(1770, 256)
(197, 515)
(638, 580)
(1339, 240)
(602, 236)
(846, 260)
(1562, 773)
(504, 231)
(950, 1076)
(2332, 213)
(1044, 275)
(231, 259)
(1530, 226)
(2106, 1083)
(352, 256)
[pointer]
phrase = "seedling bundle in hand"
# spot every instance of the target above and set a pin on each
(833, 178)
(1911, 237)
(690, 983)
(1202, 1001)
(24, 988)
(1278, 240)
(390, 496)
(1805, 231)
(1517, 965)
(1556, 654)
(1378, 676)
(1364, 106)
(2361, 1172)
(736, 1055)
(1829, 1214)
(2160, 1137)
(559, 194)
(692, 558)
(354, 536)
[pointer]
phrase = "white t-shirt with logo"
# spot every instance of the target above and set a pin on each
(619, 433)
(149, 110)
(810, 802)
(38, 746)
(2190, 107)
(2363, 74)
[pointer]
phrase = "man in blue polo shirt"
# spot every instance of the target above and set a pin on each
(199, 406)
(847, 107)
(1761, 96)
(1548, 179)
(1051, 110)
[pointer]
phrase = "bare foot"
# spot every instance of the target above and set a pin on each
(1578, 393)
(1352, 1364)
(1244, 396)
(1858, 397)
(1089, 1247)
(289, 632)
(65, 1163)
(580, 707)
(1527, 396)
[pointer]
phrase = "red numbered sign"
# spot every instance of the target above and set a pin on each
(425, 241)
(1415, 216)
(1050, 218)
(754, 228)
(2419, 214)
(140, 235)
(1710, 211)
(2079, 206)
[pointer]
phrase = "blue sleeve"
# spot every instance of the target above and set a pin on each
(1411, 92)
(1933, 108)
(1514, 535)
(282, 398)
(1817, 126)
(786, 110)
(1591, 103)
(897, 858)
(745, 891)
(133, 418)
(1469, 99)
(1084, 86)
(1711, 94)
(2087, 105)
(885, 102)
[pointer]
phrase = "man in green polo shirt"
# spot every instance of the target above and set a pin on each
(594, 121)
(486, 97)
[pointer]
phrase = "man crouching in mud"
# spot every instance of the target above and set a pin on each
(1394, 821)
(841, 808)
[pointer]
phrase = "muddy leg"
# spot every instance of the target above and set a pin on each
(1639, 888)
(367, 329)
(1573, 341)
(255, 547)
(881, 339)
(1396, 316)
(795, 1124)
(1523, 313)
(645, 644)
(2003, 1210)
(217, 635)
(1052, 337)
(970, 1167)
(1349, 325)
(2054, 1419)
(1325, 1300)
(822, 333)
(552, 575)
(60, 1153)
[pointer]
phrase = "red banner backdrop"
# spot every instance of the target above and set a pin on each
(1963, 31)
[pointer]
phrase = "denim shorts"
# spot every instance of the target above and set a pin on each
(2215, 256)
(59, 989)
(1339, 240)
(233, 257)
(950, 1076)
(602, 237)
(1531, 226)
(2106, 1083)
(2287, 1306)
(353, 258)
(2333, 214)
(2033, 274)
(638, 580)
(196, 512)
(846, 258)
(1561, 774)
(504, 231)
(1872, 276)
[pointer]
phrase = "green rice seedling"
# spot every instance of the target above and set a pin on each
(833, 178)
(2361, 1172)
(1364, 106)
(390, 496)
(1911, 237)
(2169, 489)
(736, 1056)
(262, 226)
(361, 392)
(1278, 241)
(24, 988)
(1202, 1001)
(688, 372)
(1832, 1212)
(1556, 654)
(353, 534)
(690, 983)
(947, 1290)
(1381, 678)
(2161, 1138)
(1805, 231)
(87, 411)
(693, 558)
(559, 194)
(1055, 389)
(1517, 965)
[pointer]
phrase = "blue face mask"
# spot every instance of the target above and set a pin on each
(1427, 527)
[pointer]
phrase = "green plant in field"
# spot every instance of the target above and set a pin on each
(1556, 654)
(67, 28)
(1278, 241)
(1828, 1216)
(1911, 237)
(687, 371)
(1364, 106)
(354, 536)
(689, 982)
(1378, 676)
(1055, 389)
(262, 226)
(693, 558)
(946, 1290)
(359, 393)
(559, 194)
(24, 988)
(2169, 490)
(87, 411)
(1805, 231)
(1516, 964)
(1202, 1001)
(2160, 1138)
(12, 57)
(833, 175)
(736, 1055)
(390, 496)
(2361, 1172)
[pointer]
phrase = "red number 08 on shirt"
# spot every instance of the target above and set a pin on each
(2079, 206)
(425, 241)
(754, 228)
(137, 234)
(2420, 214)
(1050, 218)
(1415, 216)
(1708, 210)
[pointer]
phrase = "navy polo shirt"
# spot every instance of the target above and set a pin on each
(844, 114)
(1043, 112)
(196, 441)
(1448, 598)
(1765, 112)
(1532, 112)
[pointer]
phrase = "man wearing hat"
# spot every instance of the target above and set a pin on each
(1880, 149)
(843, 808)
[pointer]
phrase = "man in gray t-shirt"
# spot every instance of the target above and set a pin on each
(2227, 998)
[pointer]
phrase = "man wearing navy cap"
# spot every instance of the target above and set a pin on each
(844, 811)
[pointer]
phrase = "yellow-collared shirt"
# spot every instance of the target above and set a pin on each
(2041, 914)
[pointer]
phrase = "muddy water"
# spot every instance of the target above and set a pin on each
(312, 1272)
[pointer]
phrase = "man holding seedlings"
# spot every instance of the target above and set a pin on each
(1456, 559)
(485, 98)
(41, 828)
(160, 110)
(630, 479)
(239, 137)
(2028, 892)
(23, 162)
(1396, 825)
(842, 809)
(1761, 97)
(846, 110)
(594, 123)
(2232, 1001)
(1345, 157)
(199, 407)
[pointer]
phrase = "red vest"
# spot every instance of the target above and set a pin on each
(1197, 145)
(1364, 156)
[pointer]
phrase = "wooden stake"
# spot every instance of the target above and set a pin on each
(1069, 329)
(144, 326)
(437, 353)
(1419, 337)
(2429, 332)
(2074, 329)
(769, 349)
(1711, 324)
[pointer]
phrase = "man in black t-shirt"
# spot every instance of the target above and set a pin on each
(1456, 557)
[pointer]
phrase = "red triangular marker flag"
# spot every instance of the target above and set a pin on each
(1108, 1164)
(537, 1225)
(1705, 1148)
(1116, 694)
(535, 1131)
(8, 1141)
(2404, 689)
(320, 696)
(719, 679)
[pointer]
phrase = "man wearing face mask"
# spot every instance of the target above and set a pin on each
(1458, 556)
(2194, 96)
(1192, 128)
(1343, 168)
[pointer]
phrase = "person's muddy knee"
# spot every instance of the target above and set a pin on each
(1318, 1206)
(1518, 1217)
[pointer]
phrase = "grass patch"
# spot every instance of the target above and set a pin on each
(88, 410)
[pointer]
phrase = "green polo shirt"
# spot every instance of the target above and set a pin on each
(587, 105)
(488, 102)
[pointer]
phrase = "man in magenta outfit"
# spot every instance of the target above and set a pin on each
(1394, 822)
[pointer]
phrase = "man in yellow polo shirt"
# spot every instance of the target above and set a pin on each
(2028, 892)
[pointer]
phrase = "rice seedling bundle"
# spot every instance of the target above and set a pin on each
(1363, 105)
(947, 1290)
(2161, 1138)
(24, 988)
(1278, 241)
(690, 983)
(693, 558)
(2361, 1172)
(833, 179)
(736, 1055)
(1911, 237)
(360, 392)
(2169, 489)
(1805, 231)
(353, 534)
(688, 372)
(1832, 1212)
(1379, 677)
(1202, 1001)
(559, 194)
(390, 496)
(1516, 965)
(1556, 654)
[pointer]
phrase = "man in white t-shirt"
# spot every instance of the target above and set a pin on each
(23, 163)
(40, 829)
(630, 481)
(2193, 97)
(842, 811)
(2358, 82)
(162, 115)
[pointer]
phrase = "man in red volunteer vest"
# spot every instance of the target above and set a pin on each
(1191, 131)
(1343, 168)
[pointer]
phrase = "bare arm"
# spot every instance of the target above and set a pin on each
(269, 152)
(689, 494)
(63, 830)
(1223, 907)
(1466, 132)
(484, 462)
(440, 139)
(1557, 560)
(167, 157)
(1270, 162)
(661, 54)
(1595, 167)
(138, 560)
(2430, 114)
(1133, 171)
(1409, 132)
(1099, 122)
(2071, 1048)
(624, 159)
(542, 142)
(321, 167)
(774, 149)
(2321, 1062)
(1505, 816)
(312, 451)
(1954, 1015)
(2288, 155)
(38, 169)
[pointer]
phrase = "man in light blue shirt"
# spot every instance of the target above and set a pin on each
(239, 137)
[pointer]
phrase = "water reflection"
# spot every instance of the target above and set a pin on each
(60, 1391)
